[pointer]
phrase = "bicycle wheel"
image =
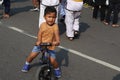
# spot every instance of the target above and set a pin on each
(44, 72)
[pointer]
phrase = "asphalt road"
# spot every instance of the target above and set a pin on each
(93, 56)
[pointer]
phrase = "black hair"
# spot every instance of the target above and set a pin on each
(50, 9)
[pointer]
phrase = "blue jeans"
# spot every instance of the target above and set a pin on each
(6, 4)
(38, 49)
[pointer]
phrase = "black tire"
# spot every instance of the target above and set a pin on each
(44, 73)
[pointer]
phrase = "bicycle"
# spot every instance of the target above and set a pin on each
(45, 71)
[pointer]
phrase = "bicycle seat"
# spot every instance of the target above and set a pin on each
(45, 44)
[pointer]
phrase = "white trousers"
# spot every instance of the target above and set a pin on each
(41, 14)
(72, 21)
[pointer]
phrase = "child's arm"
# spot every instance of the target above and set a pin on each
(57, 38)
(38, 42)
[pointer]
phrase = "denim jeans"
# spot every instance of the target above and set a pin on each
(6, 4)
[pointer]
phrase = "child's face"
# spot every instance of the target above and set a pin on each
(50, 18)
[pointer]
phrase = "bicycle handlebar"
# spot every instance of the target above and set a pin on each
(46, 44)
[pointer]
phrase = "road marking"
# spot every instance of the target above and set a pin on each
(22, 31)
(73, 51)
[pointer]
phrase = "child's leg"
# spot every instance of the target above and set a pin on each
(33, 54)
(57, 71)
(54, 63)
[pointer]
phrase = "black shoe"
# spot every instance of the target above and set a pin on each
(76, 33)
(62, 19)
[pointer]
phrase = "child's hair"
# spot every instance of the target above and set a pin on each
(50, 9)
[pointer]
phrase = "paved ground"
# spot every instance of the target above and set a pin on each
(93, 56)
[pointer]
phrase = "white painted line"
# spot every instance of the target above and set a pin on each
(73, 51)
(92, 59)
(21, 31)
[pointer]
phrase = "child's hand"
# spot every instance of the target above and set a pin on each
(55, 43)
(37, 43)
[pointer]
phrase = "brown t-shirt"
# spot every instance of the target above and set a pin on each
(48, 33)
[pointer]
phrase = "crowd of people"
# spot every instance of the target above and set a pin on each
(70, 10)
(108, 9)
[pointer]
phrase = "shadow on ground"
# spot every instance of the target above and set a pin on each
(117, 77)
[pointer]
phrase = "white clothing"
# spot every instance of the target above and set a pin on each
(62, 8)
(43, 5)
(1, 1)
(72, 17)
(74, 6)
(107, 2)
(50, 2)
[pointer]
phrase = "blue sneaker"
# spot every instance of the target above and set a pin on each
(57, 73)
(25, 68)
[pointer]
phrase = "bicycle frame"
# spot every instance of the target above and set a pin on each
(45, 71)
(45, 55)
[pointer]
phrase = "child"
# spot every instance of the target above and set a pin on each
(48, 32)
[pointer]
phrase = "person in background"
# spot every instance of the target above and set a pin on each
(6, 4)
(88, 3)
(73, 11)
(36, 4)
(48, 33)
(113, 9)
(62, 11)
(99, 5)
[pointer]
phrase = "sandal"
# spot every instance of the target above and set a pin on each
(106, 23)
(70, 38)
(6, 16)
(115, 25)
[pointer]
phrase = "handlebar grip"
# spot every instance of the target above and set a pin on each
(45, 44)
